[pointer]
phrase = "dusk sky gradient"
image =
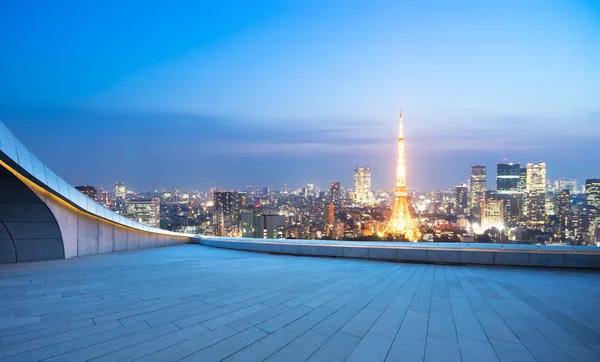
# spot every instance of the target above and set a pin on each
(227, 94)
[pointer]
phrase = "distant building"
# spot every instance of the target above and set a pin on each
(222, 223)
(231, 203)
(362, 186)
(535, 189)
(256, 224)
(492, 214)
(120, 191)
(478, 187)
(328, 219)
(335, 195)
(508, 178)
(461, 196)
(251, 223)
(89, 191)
(265, 190)
(274, 227)
(563, 211)
(592, 200)
(103, 197)
(146, 211)
(310, 189)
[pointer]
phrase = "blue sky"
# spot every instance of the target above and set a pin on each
(211, 94)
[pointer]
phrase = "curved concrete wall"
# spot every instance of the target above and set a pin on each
(43, 218)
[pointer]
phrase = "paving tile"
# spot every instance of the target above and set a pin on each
(330, 325)
(371, 348)
(473, 350)
(362, 322)
(300, 349)
(440, 349)
(407, 349)
(283, 319)
(337, 348)
(228, 347)
(508, 352)
(191, 346)
(265, 347)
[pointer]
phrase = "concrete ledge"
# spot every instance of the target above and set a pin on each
(512, 258)
(443, 256)
(547, 259)
(355, 252)
(477, 257)
(562, 258)
(582, 261)
(382, 253)
(411, 255)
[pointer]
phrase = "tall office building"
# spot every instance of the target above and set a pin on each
(231, 203)
(335, 195)
(563, 210)
(492, 214)
(310, 189)
(146, 211)
(250, 223)
(265, 190)
(461, 196)
(102, 197)
(508, 176)
(89, 191)
(478, 187)
(328, 219)
(535, 189)
(120, 191)
(592, 201)
(362, 185)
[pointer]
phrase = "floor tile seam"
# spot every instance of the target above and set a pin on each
(485, 332)
(46, 336)
(64, 332)
(555, 325)
(120, 349)
(324, 342)
(69, 341)
(157, 337)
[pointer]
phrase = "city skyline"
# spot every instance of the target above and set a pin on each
(244, 91)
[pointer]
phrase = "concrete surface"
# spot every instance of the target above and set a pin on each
(197, 303)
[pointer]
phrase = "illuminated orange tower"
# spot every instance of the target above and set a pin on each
(401, 222)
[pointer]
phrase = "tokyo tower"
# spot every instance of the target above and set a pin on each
(401, 222)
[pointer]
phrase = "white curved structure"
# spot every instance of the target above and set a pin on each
(42, 217)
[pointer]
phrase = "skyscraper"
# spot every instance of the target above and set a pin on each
(362, 185)
(120, 191)
(536, 195)
(478, 187)
(328, 219)
(492, 214)
(146, 211)
(508, 176)
(563, 210)
(461, 196)
(335, 195)
(592, 200)
(231, 203)
(401, 221)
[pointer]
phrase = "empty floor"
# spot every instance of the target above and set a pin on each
(193, 302)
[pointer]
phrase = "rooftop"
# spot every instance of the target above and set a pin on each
(199, 303)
